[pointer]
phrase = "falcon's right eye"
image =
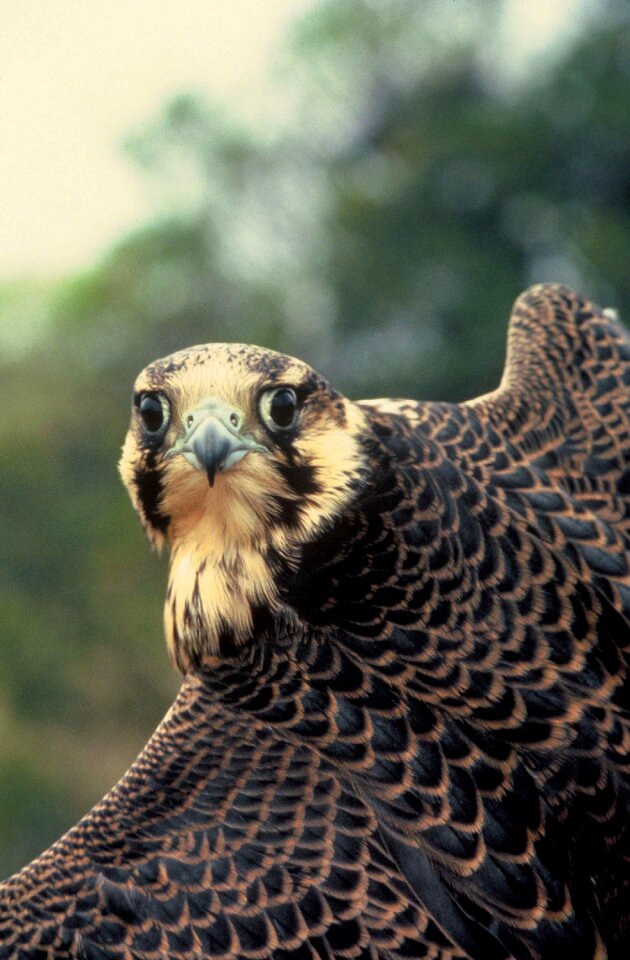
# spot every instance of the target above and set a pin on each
(155, 412)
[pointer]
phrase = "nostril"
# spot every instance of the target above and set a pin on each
(189, 420)
(234, 420)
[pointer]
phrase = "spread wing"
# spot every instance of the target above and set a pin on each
(223, 840)
(564, 402)
(438, 766)
(504, 632)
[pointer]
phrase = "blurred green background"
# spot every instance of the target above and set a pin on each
(380, 230)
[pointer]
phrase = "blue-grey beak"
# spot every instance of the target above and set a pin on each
(214, 441)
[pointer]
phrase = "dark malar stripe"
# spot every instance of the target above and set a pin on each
(301, 478)
(148, 483)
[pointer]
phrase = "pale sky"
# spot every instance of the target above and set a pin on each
(77, 76)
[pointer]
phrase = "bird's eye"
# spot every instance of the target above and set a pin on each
(278, 408)
(155, 412)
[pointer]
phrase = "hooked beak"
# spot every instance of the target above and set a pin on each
(213, 441)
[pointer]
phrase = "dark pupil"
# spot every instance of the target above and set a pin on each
(151, 413)
(282, 409)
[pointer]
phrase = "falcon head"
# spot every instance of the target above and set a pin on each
(235, 458)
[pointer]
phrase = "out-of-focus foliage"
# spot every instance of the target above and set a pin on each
(381, 234)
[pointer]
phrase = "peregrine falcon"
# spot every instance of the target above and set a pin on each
(404, 726)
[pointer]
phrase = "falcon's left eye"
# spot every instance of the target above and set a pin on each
(278, 408)
(155, 412)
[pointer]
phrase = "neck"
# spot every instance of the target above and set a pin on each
(224, 584)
